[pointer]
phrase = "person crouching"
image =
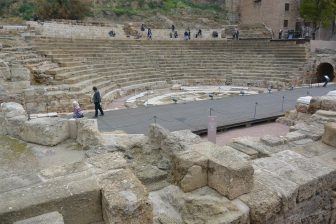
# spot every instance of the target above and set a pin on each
(77, 111)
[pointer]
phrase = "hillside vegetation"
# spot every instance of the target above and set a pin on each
(151, 11)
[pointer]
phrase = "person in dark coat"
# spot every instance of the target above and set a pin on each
(149, 34)
(97, 100)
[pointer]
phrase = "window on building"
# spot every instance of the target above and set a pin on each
(286, 23)
(286, 6)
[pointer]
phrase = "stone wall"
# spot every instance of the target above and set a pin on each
(270, 13)
(75, 31)
(321, 52)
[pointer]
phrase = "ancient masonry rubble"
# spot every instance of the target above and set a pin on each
(176, 177)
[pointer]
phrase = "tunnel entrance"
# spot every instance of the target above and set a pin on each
(324, 69)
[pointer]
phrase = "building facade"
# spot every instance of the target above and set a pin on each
(275, 14)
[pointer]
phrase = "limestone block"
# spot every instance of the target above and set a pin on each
(302, 104)
(19, 73)
(102, 162)
(328, 103)
(255, 144)
(80, 169)
(329, 136)
(73, 128)
(157, 134)
(307, 184)
(48, 218)
(313, 130)
(45, 131)
(3, 125)
(322, 173)
(148, 174)
(125, 199)
(230, 175)
(272, 140)
(315, 104)
(264, 203)
(14, 125)
(205, 205)
(167, 204)
(12, 109)
(286, 189)
(229, 172)
(294, 136)
(78, 200)
(302, 108)
(190, 170)
(87, 133)
(171, 142)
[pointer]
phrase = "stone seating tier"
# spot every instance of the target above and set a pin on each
(114, 64)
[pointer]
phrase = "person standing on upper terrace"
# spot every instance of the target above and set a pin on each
(149, 34)
(97, 100)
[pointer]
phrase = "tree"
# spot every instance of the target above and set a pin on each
(62, 9)
(318, 12)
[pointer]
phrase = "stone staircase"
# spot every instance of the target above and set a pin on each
(134, 64)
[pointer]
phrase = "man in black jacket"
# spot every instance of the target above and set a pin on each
(97, 100)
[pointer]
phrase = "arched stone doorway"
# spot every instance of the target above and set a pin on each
(325, 69)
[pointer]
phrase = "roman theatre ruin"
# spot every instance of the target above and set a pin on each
(55, 170)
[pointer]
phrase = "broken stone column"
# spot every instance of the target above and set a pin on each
(329, 136)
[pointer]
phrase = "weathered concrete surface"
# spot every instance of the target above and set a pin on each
(125, 199)
(49, 218)
(329, 136)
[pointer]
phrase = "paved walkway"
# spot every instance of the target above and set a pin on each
(194, 115)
